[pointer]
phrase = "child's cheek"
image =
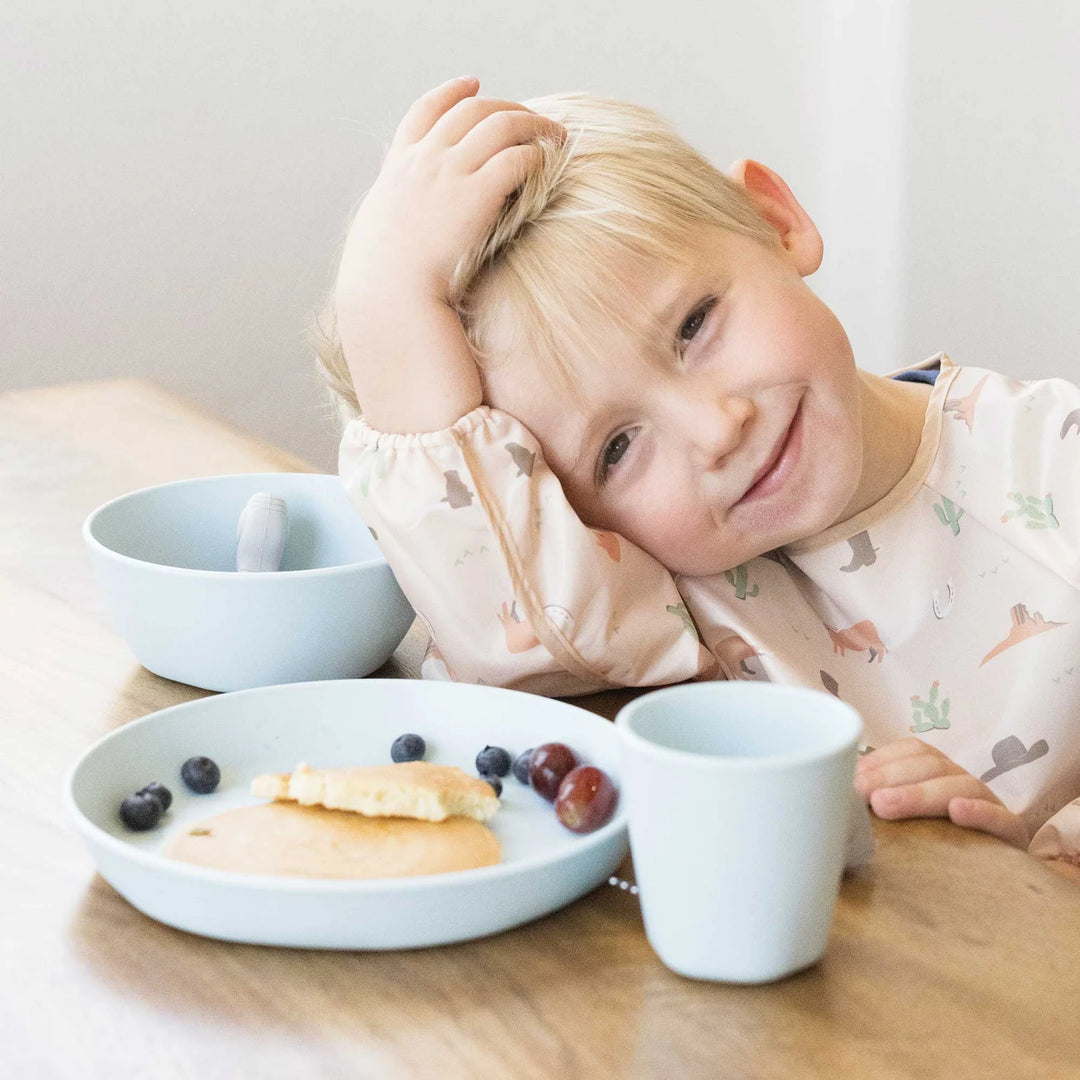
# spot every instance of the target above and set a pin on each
(670, 528)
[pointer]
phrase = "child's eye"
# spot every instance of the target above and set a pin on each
(612, 454)
(692, 325)
(695, 321)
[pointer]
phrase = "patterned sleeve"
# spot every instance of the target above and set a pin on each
(514, 589)
(1060, 475)
(1028, 433)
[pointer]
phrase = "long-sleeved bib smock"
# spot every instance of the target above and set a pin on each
(949, 609)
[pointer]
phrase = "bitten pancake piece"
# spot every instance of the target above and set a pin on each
(412, 789)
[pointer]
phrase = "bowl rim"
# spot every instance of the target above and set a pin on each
(96, 546)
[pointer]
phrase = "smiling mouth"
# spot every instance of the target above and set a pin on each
(775, 472)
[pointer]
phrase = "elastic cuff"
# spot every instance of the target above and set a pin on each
(360, 433)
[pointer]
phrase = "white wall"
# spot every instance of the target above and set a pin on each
(993, 203)
(174, 178)
(858, 63)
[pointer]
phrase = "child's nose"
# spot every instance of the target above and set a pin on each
(714, 425)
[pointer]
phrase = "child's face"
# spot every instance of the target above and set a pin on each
(743, 437)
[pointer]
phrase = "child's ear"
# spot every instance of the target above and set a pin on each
(782, 211)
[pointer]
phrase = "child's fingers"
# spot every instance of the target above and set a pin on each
(426, 110)
(893, 751)
(927, 799)
(989, 817)
(462, 118)
(461, 121)
(508, 169)
(1065, 868)
(499, 132)
(906, 770)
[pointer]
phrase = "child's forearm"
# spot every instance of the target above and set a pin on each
(454, 160)
(410, 361)
(514, 596)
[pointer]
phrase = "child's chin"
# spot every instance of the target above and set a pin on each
(700, 568)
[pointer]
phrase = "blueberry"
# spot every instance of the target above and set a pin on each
(493, 760)
(160, 792)
(521, 766)
(200, 774)
(493, 780)
(141, 812)
(408, 747)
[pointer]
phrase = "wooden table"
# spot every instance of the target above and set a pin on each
(952, 955)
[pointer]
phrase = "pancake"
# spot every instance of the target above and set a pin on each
(414, 789)
(284, 838)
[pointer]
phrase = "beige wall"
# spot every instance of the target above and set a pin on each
(174, 178)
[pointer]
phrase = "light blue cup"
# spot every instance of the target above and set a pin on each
(165, 558)
(739, 797)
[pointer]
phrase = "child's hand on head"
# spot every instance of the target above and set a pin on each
(454, 159)
(909, 778)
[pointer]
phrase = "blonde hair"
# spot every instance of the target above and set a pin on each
(623, 183)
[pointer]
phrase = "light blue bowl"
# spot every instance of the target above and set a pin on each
(165, 558)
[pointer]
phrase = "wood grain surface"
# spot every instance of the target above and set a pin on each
(952, 955)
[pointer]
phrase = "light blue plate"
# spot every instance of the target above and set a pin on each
(333, 724)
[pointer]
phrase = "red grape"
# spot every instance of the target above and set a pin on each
(549, 764)
(586, 799)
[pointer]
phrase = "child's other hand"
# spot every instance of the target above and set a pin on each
(454, 159)
(909, 778)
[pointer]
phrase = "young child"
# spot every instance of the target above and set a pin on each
(610, 437)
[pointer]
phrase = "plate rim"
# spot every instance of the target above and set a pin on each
(152, 860)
